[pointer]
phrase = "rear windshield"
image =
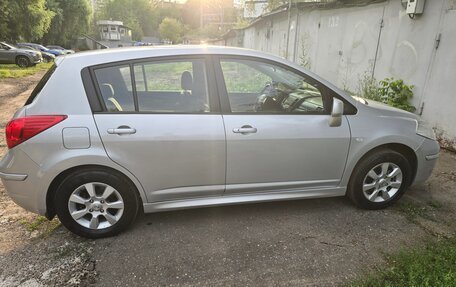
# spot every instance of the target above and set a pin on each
(40, 85)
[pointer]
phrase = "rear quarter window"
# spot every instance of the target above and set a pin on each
(40, 85)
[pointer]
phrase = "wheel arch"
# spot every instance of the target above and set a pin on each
(50, 193)
(403, 149)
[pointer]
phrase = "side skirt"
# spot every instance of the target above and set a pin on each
(243, 199)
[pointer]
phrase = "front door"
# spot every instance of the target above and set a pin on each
(278, 136)
(160, 123)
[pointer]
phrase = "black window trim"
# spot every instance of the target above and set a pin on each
(349, 109)
(96, 100)
(41, 84)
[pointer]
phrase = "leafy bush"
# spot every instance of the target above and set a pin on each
(396, 93)
(389, 91)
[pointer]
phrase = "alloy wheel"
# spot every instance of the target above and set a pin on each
(96, 205)
(382, 182)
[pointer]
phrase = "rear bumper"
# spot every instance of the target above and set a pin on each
(13, 176)
(427, 156)
(19, 176)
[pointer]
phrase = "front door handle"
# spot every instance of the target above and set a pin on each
(122, 130)
(245, 130)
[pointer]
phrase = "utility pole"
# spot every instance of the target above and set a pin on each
(288, 32)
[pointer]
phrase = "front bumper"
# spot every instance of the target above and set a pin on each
(427, 155)
(36, 59)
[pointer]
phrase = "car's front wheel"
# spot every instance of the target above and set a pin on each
(379, 179)
(23, 62)
(96, 203)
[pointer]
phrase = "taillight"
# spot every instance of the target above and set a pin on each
(21, 129)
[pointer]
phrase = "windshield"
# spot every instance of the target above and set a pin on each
(42, 47)
(11, 47)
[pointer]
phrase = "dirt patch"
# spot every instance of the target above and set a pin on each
(33, 251)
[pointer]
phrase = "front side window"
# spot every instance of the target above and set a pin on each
(115, 86)
(172, 86)
(258, 87)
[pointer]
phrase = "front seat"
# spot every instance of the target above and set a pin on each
(187, 83)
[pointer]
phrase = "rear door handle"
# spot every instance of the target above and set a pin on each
(122, 130)
(245, 130)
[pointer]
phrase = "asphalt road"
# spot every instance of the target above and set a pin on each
(308, 242)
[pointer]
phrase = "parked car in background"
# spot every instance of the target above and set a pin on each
(47, 57)
(108, 134)
(43, 49)
(65, 51)
(10, 54)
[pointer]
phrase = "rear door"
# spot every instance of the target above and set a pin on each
(277, 128)
(161, 121)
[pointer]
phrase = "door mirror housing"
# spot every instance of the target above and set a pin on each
(336, 113)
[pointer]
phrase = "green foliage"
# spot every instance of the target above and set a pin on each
(272, 4)
(431, 265)
(142, 16)
(388, 91)
(171, 29)
(396, 93)
(28, 20)
(72, 18)
(368, 88)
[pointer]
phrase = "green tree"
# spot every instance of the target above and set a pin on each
(72, 18)
(24, 19)
(139, 15)
(171, 29)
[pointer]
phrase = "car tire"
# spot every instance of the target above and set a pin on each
(96, 203)
(379, 179)
(23, 62)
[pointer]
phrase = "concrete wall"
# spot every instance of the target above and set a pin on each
(342, 44)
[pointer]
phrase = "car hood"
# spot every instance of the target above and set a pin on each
(388, 111)
(26, 50)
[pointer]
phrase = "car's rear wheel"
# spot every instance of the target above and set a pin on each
(379, 180)
(96, 203)
(23, 62)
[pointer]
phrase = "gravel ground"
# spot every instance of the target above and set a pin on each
(320, 242)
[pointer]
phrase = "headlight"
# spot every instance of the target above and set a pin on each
(423, 129)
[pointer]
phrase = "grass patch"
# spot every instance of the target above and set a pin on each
(431, 265)
(412, 210)
(42, 224)
(13, 71)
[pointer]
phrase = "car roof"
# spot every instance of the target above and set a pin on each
(96, 57)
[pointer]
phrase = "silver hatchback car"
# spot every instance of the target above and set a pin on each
(106, 135)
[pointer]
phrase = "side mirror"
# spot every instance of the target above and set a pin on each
(336, 113)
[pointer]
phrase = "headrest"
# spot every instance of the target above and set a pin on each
(107, 91)
(187, 81)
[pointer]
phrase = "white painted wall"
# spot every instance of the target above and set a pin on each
(341, 45)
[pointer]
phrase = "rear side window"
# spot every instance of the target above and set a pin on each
(40, 85)
(161, 86)
(116, 88)
(172, 86)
